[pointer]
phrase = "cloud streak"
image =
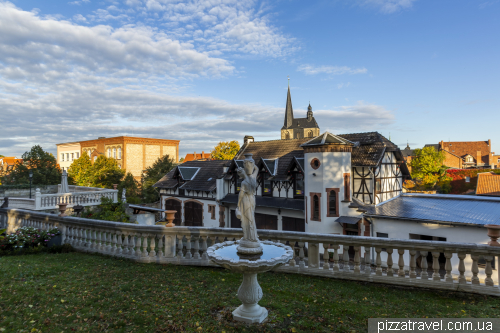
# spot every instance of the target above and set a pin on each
(332, 70)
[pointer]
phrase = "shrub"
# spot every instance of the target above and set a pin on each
(27, 237)
(108, 211)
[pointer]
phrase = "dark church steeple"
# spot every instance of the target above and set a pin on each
(288, 110)
(309, 112)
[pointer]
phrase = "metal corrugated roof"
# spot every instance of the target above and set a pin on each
(441, 208)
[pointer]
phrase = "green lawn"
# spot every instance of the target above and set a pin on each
(83, 292)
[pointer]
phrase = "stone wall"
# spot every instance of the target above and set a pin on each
(25, 192)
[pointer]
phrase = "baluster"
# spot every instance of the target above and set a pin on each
(345, 258)
(125, 245)
(160, 247)
(447, 267)
(326, 256)
(131, 245)
(435, 266)
(424, 275)
(196, 243)
(152, 245)
(144, 246)
(413, 264)
(114, 243)
(390, 271)
(90, 236)
(368, 269)
(336, 266)
(357, 261)
(204, 247)
(189, 255)
(108, 242)
(488, 271)
(292, 262)
(302, 263)
(97, 245)
(119, 249)
(461, 268)
(138, 240)
(77, 237)
(180, 247)
(401, 263)
(69, 236)
(378, 262)
(83, 241)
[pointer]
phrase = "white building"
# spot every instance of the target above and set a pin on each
(67, 153)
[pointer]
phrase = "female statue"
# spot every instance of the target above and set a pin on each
(246, 206)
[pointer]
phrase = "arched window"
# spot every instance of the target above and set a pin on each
(119, 153)
(95, 158)
(310, 134)
(315, 208)
(109, 152)
(287, 136)
(114, 152)
(332, 204)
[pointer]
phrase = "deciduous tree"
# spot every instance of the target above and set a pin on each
(80, 170)
(152, 175)
(225, 150)
(427, 165)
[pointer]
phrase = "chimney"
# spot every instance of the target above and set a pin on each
(194, 158)
(479, 159)
(248, 139)
(441, 144)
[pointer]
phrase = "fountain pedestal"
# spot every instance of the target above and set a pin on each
(250, 293)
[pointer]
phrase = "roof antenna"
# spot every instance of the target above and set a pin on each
(288, 76)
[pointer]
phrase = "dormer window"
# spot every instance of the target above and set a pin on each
(267, 189)
(298, 185)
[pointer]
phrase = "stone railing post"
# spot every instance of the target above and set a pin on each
(38, 199)
(313, 255)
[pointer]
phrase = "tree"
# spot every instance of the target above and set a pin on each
(427, 166)
(131, 187)
(152, 175)
(105, 172)
(225, 150)
(181, 160)
(80, 170)
(41, 163)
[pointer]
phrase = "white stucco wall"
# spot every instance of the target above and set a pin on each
(207, 217)
(402, 229)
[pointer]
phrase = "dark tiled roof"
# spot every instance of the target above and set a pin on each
(436, 146)
(463, 209)
(368, 150)
(260, 201)
(407, 152)
(204, 180)
(303, 123)
(348, 219)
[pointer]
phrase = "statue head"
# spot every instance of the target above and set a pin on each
(241, 173)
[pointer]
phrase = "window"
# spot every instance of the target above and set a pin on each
(237, 184)
(62, 157)
(315, 206)
(78, 155)
(382, 235)
(67, 156)
(119, 166)
(211, 210)
(310, 134)
(72, 156)
(298, 186)
(114, 153)
(377, 185)
(109, 152)
(332, 201)
(119, 153)
(267, 188)
(467, 179)
(315, 163)
(347, 186)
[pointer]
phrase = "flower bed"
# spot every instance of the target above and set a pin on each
(27, 237)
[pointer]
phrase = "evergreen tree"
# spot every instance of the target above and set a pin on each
(44, 166)
(152, 175)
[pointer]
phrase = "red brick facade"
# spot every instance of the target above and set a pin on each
(479, 150)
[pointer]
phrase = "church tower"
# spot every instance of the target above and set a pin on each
(298, 128)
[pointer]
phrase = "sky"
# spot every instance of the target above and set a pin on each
(205, 71)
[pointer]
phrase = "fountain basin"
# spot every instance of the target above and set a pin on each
(250, 293)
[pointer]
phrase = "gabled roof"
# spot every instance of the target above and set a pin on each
(488, 184)
(297, 162)
(203, 179)
(326, 139)
(303, 123)
(195, 156)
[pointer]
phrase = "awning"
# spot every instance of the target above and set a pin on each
(348, 219)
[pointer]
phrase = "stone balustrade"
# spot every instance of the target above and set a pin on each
(452, 266)
(86, 198)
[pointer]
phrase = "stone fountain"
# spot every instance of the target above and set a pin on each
(248, 255)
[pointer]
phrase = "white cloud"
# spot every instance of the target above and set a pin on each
(333, 70)
(79, 2)
(79, 18)
(343, 85)
(390, 6)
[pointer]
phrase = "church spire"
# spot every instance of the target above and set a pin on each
(289, 109)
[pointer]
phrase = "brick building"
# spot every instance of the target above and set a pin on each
(473, 153)
(8, 163)
(132, 153)
(197, 157)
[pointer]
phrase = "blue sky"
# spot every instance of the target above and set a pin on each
(202, 71)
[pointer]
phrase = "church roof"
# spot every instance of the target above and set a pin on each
(302, 123)
(288, 110)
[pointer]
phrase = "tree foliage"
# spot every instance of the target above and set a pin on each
(131, 187)
(43, 165)
(225, 150)
(152, 175)
(80, 170)
(427, 165)
(108, 210)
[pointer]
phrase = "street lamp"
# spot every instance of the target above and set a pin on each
(31, 178)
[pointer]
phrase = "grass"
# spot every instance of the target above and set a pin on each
(93, 293)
